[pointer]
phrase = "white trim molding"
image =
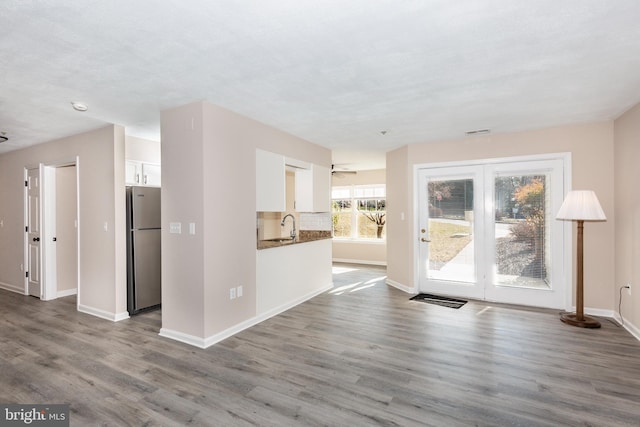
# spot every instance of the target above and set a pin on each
(400, 286)
(216, 338)
(182, 337)
(66, 293)
(359, 261)
(114, 317)
(17, 289)
(630, 327)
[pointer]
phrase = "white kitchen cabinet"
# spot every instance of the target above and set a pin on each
(133, 170)
(151, 174)
(313, 189)
(270, 182)
(141, 173)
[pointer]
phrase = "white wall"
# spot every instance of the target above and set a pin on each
(627, 216)
(142, 150)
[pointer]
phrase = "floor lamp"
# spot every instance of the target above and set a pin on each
(580, 206)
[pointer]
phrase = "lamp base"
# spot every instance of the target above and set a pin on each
(571, 319)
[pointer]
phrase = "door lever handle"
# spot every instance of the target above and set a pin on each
(425, 240)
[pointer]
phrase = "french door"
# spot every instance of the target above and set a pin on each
(488, 231)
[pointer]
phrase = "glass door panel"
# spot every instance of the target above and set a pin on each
(451, 250)
(524, 252)
(522, 231)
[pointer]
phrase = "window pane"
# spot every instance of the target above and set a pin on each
(342, 218)
(341, 193)
(371, 219)
(371, 225)
(451, 249)
(521, 230)
(361, 215)
(369, 191)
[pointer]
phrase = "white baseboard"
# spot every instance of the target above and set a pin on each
(121, 316)
(630, 327)
(213, 339)
(597, 312)
(67, 293)
(359, 261)
(11, 288)
(114, 317)
(633, 329)
(400, 286)
(182, 337)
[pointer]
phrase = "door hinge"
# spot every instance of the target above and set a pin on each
(26, 274)
(26, 229)
(26, 183)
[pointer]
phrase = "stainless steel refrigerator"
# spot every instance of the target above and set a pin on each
(143, 249)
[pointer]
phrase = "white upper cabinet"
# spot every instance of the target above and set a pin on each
(140, 173)
(270, 182)
(151, 175)
(313, 189)
(133, 172)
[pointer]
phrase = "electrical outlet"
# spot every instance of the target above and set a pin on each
(232, 293)
(239, 293)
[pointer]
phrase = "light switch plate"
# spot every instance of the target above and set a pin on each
(192, 228)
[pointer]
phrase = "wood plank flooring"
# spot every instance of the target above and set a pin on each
(359, 355)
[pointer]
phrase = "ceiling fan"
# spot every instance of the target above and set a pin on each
(339, 173)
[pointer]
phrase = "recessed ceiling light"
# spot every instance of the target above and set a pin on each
(79, 106)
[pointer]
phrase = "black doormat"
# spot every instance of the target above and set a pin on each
(439, 300)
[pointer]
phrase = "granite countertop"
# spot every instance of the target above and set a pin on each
(304, 236)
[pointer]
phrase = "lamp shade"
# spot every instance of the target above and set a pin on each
(581, 205)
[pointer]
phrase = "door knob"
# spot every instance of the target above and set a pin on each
(425, 240)
(36, 239)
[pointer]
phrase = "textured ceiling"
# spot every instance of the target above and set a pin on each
(333, 72)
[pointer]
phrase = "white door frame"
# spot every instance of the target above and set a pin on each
(48, 226)
(566, 271)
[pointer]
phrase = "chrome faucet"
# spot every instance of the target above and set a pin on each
(293, 230)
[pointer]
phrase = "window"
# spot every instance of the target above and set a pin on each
(359, 211)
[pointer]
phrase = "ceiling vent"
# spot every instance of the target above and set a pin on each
(478, 132)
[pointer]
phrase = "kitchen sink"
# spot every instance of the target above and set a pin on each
(280, 240)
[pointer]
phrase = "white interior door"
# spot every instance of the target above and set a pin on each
(34, 226)
(489, 232)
